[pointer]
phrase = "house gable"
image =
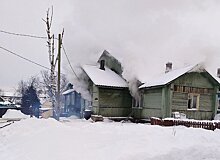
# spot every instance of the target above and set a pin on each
(195, 79)
(173, 75)
(111, 62)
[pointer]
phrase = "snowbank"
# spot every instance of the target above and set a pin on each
(47, 139)
(14, 114)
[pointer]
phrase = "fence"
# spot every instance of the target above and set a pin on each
(210, 125)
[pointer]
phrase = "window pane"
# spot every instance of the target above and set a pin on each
(189, 103)
(194, 101)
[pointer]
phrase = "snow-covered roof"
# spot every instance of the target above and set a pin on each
(45, 109)
(105, 77)
(172, 75)
(68, 91)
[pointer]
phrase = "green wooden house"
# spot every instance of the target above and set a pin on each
(190, 90)
(109, 91)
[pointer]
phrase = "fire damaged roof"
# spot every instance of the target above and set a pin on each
(105, 77)
(174, 74)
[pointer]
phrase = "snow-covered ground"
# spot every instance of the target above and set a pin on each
(74, 139)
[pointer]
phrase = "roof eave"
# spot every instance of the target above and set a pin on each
(110, 86)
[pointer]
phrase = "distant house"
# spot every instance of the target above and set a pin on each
(12, 97)
(5, 105)
(74, 103)
(190, 90)
(110, 92)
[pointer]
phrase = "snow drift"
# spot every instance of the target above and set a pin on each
(47, 139)
(14, 114)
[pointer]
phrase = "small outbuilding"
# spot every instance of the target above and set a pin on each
(74, 103)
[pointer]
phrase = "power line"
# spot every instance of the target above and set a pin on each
(23, 35)
(24, 58)
(69, 62)
(38, 37)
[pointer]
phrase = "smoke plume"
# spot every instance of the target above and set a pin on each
(145, 34)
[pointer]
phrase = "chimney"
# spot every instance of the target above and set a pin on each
(102, 65)
(218, 72)
(168, 67)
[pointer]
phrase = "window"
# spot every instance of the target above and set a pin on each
(193, 101)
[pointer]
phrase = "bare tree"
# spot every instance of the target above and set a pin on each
(54, 92)
(23, 85)
(52, 60)
(46, 83)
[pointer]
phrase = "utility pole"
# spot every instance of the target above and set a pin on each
(58, 81)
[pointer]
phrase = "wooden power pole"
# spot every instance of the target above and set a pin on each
(59, 76)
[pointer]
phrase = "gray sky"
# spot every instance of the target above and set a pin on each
(144, 34)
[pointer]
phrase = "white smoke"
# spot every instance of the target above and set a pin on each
(145, 34)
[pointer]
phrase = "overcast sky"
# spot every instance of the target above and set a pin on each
(143, 34)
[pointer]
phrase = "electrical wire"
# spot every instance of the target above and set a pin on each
(23, 35)
(23, 58)
(38, 37)
(69, 62)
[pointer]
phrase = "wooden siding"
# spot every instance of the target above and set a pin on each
(204, 111)
(152, 103)
(180, 104)
(199, 84)
(166, 101)
(153, 99)
(95, 97)
(113, 102)
(115, 112)
(205, 102)
(147, 113)
(194, 79)
(201, 115)
(179, 101)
